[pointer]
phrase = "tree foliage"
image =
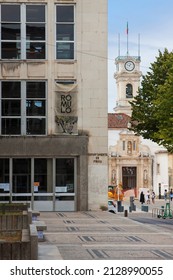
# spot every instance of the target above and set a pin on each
(152, 108)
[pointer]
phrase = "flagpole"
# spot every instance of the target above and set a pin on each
(127, 32)
(119, 44)
(139, 45)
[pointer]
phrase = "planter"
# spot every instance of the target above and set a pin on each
(18, 238)
(19, 245)
(14, 221)
(13, 207)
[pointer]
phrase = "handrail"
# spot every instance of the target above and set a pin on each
(162, 213)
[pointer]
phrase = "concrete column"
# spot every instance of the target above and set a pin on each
(34, 242)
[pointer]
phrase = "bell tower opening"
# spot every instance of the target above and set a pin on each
(129, 91)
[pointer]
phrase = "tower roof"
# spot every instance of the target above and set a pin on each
(127, 57)
(118, 120)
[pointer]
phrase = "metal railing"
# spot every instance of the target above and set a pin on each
(162, 212)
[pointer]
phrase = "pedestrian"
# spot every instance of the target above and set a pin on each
(142, 198)
(171, 194)
(165, 195)
(148, 197)
(153, 197)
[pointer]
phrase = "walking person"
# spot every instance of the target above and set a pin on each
(165, 195)
(171, 194)
(142, 198)
(148, 197)
(153, 197)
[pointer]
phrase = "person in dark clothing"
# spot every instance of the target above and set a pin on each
(165, 195)
(142, 198)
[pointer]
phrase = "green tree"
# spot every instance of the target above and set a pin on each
(152, 108)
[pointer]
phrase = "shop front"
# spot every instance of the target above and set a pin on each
(49, 183)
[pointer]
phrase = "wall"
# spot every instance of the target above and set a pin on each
(158, 155)
(89, 70)
(161, 175)
(92, 76)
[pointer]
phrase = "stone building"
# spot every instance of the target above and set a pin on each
(53, 112)
(134, 163)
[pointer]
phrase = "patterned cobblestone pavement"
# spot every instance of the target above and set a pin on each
(97, 235)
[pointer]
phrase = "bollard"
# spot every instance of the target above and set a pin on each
(162, 210)
(119, 206)
(125, 213)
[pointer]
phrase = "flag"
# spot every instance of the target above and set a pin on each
(127, 29)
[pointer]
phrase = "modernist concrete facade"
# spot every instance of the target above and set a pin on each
(53, 93)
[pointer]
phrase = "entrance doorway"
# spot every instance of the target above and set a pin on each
(49, 184)
(129, 178)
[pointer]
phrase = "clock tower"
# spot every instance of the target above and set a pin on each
(127, 77)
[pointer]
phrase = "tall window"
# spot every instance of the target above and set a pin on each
(65, 32)
(23, 108)
(129, 91)
(124, 145)
(158, 168)
(35, 108)
(134, 145)
(23, 31)
(10, 31)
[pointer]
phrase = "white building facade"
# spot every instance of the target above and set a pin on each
(53, 94)
(134, 162)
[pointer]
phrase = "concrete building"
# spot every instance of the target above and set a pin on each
(134, 162)
(53, 94)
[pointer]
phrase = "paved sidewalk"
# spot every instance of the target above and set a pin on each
(97, 235)
(158, 203)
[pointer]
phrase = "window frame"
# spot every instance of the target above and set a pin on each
(23, 41)
(65, 41)
(24, 118)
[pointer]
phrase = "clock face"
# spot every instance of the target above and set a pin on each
(129, 65)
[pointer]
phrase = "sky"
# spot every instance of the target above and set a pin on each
(152, 19)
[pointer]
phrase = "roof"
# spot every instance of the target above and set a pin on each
(118, 120)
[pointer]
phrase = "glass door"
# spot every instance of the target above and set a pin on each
(43, 184)
(4, 180)
(65, 184)
(21, 180)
